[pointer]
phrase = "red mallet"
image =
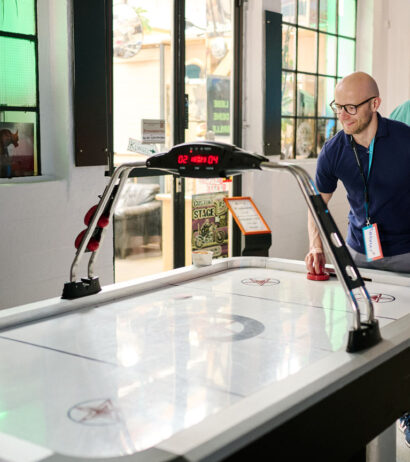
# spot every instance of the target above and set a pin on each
(92, 245)
(103, 221)
(322, 276)
(318, 277)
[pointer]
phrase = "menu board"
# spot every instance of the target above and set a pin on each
(246, 215)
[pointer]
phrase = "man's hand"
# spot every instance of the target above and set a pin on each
(315, 260)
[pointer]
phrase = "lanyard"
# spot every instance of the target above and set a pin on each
(365, 180)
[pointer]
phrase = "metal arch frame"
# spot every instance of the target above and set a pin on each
(363, 334)
(121, 173)
(308, 189)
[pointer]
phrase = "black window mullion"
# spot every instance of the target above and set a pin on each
(296, 81)
(315, 29)
(37, 127)
(317, 82)
(337, 40)
(17, 35)
(237, 112)
(179, 129)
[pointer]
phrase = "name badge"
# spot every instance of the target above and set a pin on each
(372, 244)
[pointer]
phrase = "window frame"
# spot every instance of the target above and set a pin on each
(35, 109)
(296, 72)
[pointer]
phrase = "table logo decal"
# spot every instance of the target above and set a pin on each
(260, 282)
(206, 326)
(94, 412)
(232, 328)
(379, 298)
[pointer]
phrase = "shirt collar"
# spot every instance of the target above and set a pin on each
(382, 128)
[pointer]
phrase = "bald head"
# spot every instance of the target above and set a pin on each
(359, 95)
(356, 87)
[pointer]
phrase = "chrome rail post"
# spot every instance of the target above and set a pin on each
(308, 189)
(122, 171)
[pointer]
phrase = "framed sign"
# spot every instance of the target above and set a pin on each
(247, 216)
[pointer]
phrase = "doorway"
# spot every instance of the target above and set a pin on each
(146, 49)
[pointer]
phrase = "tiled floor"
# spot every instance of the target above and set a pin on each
(403, 451)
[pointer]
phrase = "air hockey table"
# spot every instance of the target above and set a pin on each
(244, 358)
(241, 358)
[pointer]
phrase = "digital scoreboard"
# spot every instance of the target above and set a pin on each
(205, 159)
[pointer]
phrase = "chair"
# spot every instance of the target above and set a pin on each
(137, 213)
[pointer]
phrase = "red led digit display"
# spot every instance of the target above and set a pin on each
(182, 159)
(198, 159)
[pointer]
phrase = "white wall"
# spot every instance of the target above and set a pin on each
(383, 37)
(42, 216)
(278, 197)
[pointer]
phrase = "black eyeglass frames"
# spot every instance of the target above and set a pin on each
(349, 108)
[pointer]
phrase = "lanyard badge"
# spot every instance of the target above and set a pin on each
(372, 244)
(371, 237)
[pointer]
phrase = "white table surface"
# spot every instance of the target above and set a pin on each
(117, 377)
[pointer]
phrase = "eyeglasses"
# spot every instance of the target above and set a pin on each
(349, 108)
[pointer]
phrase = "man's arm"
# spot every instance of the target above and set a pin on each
(315, 260)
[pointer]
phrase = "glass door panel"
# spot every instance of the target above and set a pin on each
(142, 86)
(208, 84)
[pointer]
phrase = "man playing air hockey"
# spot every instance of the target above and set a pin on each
(371, 156)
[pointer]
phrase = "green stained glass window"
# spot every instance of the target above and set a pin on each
(327, 15)
(19, 111)
(288, 93)
(17, 72)
(288, 47)
(318, 49)
(346, 57)
(326, 128)
(326, 88)
(18, 16)
(307, 13)
(305, 138)
(288, 136)
(289, 11)
(327, 54)
(307, 47)
(306, 95)
(347, 18)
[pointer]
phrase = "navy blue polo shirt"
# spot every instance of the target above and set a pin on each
(388, 184)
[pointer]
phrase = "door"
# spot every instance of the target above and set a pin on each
(172, 65)
(209, 52)
(142, 125)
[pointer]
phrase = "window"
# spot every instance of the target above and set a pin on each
(19, 108)
(318, 49)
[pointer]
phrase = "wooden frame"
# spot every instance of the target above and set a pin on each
(264, 228)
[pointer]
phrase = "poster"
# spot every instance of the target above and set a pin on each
(16, 149)
(218, 101)
(210, 223)
(153, 131)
